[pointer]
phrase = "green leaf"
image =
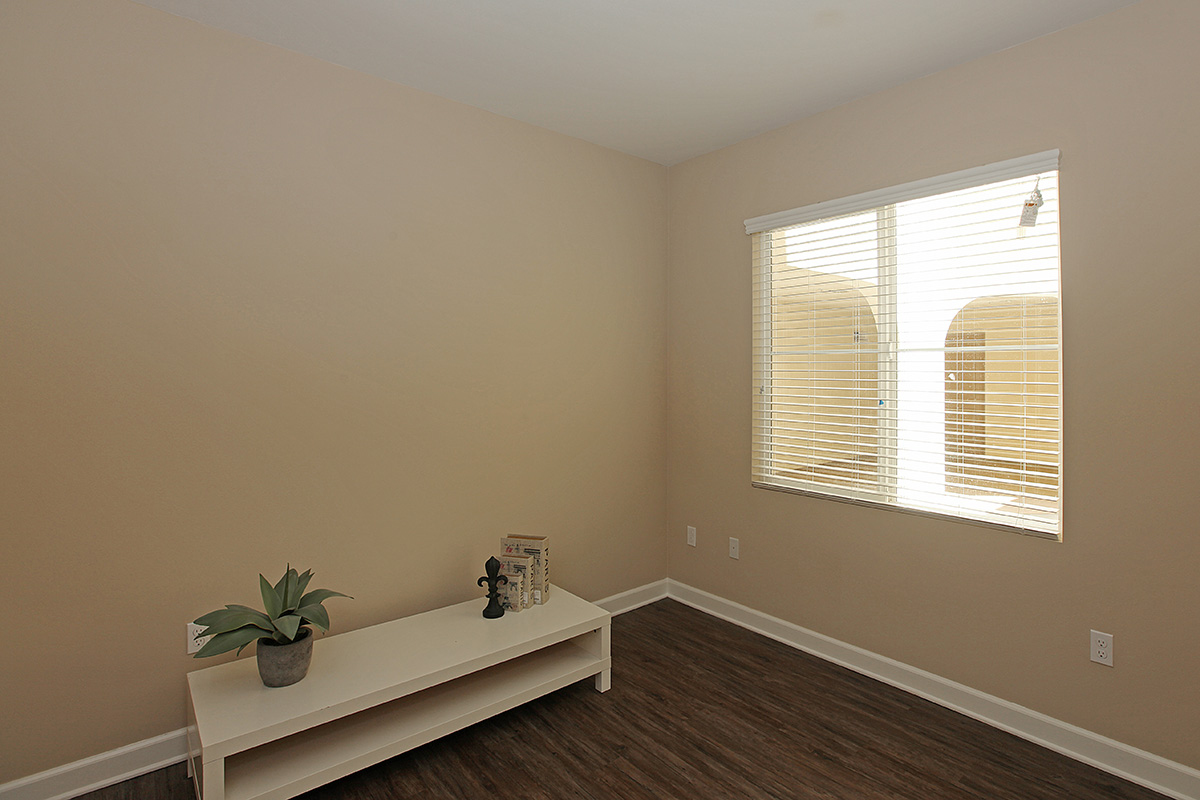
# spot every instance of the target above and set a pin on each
(288, 625)
(316, 614)
(284, 587)
(248, 610)
(271, 599)
(232, 619)
(224, 642)
(301, 585)
(291, 597)
(211, 617)
(320, 596)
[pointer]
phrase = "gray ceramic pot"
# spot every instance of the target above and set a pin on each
(284, 664)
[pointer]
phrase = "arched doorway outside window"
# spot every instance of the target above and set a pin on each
(1002, 405)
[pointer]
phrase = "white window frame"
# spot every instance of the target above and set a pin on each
(884, 495)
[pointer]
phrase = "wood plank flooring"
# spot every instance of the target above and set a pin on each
(700, 708)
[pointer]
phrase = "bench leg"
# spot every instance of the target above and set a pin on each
(602, 648)
(212, 784)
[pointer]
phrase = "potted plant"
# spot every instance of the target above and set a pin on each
(284, 639)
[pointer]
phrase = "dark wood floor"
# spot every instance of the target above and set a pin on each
(700, 708)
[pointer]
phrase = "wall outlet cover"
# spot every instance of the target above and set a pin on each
(194, 640)
(1102, 648)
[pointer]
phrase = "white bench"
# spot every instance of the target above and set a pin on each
(376, 692)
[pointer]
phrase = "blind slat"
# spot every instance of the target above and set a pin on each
(906, 347)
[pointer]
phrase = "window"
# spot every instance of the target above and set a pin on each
(906, 347)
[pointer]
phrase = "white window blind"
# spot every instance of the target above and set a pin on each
(906, 347)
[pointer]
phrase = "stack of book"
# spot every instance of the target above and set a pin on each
(526, 562)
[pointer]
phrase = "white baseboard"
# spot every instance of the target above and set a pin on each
(105, 769)
(1138, 766)
(1143, 768)
(634, 598)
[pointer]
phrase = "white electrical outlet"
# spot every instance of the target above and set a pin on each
(1102, 648)
(691, 536)
(735, 548)
(195, 640)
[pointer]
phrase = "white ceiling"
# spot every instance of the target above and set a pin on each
(665, 80)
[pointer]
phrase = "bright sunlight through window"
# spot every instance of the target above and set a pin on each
(906, 347)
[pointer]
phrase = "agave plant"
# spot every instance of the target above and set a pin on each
(288, 606)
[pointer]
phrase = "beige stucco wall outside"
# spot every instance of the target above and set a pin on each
(1003, 613)
(256, 308)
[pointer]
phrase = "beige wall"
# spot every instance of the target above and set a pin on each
(1005, 614)
(256, 308)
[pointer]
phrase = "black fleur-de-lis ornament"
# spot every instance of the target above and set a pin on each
(493, 579)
